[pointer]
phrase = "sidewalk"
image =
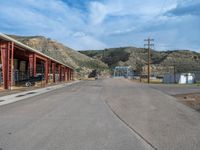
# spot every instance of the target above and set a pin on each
(14, 96)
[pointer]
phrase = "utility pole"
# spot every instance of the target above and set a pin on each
(149, 45)
(174, 73)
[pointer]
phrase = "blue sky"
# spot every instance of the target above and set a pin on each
(98, 24)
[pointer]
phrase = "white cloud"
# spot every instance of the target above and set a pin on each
(86, 43)
(51, 18)
(122, 31)
(78, 34)
(105, 23)
(98, 12)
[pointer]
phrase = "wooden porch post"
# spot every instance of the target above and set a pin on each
(70, 74)
(64, 73)
(32, 65)
(5, 63)
(61, 73)
(67, 74)
(59, 70)
(12, 66)
(46, 70)
(53, 72)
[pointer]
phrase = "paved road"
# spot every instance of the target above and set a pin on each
(156, 116)
(71, 118)
(109, 114)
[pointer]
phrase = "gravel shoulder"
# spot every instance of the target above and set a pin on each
(188, 95)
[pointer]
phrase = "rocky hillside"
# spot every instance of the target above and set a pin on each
(162, 61)
(82, 63)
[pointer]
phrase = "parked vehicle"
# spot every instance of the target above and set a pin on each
(31, 81)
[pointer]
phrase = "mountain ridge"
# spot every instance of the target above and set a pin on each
(82, 63)
(164, 61)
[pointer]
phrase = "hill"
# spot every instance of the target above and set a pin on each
(161, 61)
(82, 63)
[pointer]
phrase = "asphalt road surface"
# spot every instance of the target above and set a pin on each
(109, 114)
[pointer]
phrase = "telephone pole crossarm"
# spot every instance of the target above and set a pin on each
(151, 45)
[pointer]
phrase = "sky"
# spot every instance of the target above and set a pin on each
(100, 24)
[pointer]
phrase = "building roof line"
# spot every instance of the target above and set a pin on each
(5, 37)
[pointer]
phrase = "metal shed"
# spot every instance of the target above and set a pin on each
(182, 78)
(19, 61)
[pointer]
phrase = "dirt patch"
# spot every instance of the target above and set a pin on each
(192, 100)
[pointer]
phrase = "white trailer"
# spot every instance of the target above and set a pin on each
(183, 78)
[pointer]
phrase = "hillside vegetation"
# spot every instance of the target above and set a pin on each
(82, 63)
(162, 61)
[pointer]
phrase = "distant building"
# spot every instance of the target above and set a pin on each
(123, 71)
(182, 78)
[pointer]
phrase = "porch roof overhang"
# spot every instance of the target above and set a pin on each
(25, 47)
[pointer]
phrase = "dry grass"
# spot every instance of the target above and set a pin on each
(192, 100)
(153, 81)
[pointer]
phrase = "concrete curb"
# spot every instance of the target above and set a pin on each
(27, 94)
